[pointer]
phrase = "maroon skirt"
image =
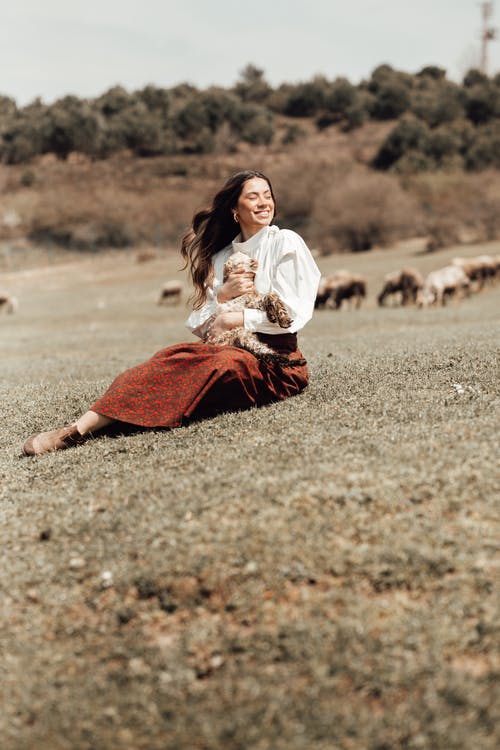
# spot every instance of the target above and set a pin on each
(194, 380)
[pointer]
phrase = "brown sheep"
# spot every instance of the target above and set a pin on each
(342, 285)
(407, 282)
(480, 269)
(8, 303)
(171, 292)
(323, 292)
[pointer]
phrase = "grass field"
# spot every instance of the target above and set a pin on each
(313, 575)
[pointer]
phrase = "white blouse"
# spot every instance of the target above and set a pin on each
(286, 267)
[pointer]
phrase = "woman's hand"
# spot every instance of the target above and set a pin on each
(225, 322)
(236, 284)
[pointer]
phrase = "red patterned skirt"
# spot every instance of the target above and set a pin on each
(194, 380)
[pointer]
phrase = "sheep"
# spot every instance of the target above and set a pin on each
(347, 286)
(408, 282)
(8, 303)
(481, 269)
(171, 292)
(270, 303)
(446, 282)
(333, 290)
(323, 292)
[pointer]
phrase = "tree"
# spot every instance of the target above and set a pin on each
(252, 86)
(391, 90)
(72, 126)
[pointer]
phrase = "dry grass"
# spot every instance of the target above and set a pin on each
(312, 575)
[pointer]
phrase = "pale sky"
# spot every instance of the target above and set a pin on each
(50, 48)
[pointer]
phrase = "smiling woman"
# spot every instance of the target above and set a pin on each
(193, 380)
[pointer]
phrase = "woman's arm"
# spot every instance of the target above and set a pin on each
(200, 321)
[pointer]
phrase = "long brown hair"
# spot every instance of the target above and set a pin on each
(211, 230)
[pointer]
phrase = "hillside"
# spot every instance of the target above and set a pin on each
(324, 185)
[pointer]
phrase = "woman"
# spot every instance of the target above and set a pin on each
(193, 380)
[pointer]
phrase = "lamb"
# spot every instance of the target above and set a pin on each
(446, 282)
(408, 282)
(270, 303)
(8, 303)
(171, 292)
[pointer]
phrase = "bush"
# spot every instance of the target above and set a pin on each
(254, 124)
(307, 99)
(344, 105)
(369, 209)
(292, 134)
(391, 90)
(409, 135)
(458, 205)
(114, 101)
(24, 134)
(482, 102)
(484, 150)
(432, 71)
(71, 126)
(436, 101)
(474, 77)
(157, 101)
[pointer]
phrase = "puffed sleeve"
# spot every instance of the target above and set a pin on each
(294, 279)
(199, 319)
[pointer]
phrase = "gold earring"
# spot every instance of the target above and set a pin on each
(236, 217)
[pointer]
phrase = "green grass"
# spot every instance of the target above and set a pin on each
(312, 575)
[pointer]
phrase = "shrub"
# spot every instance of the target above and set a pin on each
(345, 105)
(474, 77)
(292, 134)
(432, 71)
(482, 102)
(24, 134)
(409, 135)
(157, 101)
(391, 90)
(484, 150)
(436, 101)
(8, 109)
(113, 101)
(71, 126)
(369, 209)
(307, 99)
(457, 206)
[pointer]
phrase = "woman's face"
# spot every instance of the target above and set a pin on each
(255, 207)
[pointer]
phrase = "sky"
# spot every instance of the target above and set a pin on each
(51, 48)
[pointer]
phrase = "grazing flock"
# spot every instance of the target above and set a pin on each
(408, 287)
(404, 287)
